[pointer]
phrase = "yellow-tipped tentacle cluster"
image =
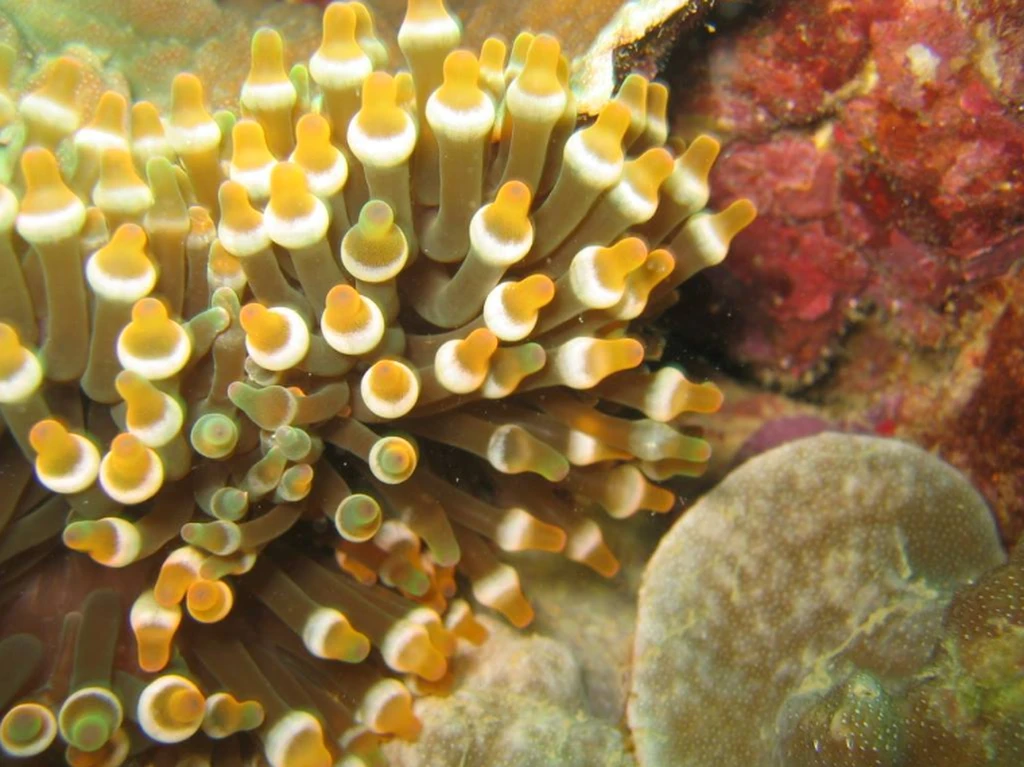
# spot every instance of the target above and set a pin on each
(293, 370)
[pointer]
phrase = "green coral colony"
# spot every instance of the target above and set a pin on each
(271, 381)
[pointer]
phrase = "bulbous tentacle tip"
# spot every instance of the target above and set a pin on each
(314, 430)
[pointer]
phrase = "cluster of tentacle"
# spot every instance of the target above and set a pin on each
(294, 371)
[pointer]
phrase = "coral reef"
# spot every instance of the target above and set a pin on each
(272, 378)
(887, 144)
(789, 609)
(961, 402)
(878, 289)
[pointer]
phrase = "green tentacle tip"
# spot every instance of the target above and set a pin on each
(214, 436)
(27, 729)
(376, 218)
(357, 518)
(89, 718)
(269, 408)
(295, 483)
(229, 504)
(221, 538)
(295, 443)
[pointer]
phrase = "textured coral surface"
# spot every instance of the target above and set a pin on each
(144, 43)
(886, 147)
(826, 554)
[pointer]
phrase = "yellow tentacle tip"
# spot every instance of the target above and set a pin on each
(289, 190)
(598, 275)
(120, 190)
(170, 709)
(461, 366)
(584, 362)
(513, 200)
(325, 166)
(735, 218)
(51, 108)
(21, 375)
(121, 270)
(267, 64)
(390, 388)
(382, 134)
(460, 88)
(192, 128)
(340, 62)
(146, 124)
(339, 28)
(606, 134)
(622, 258)
(209, 601)
(652, 167)
(187, 102)
(130, 472)
(240, 229)
(276, 338)
(539, 75)
(501, 232)
(531, 293)
(296, 738)
(422, 11)
(49, 211)
(107, 129)
(511, 308)
(351, 323)
(153, 417)
(152, 344)
(313, 135)
(65, 462)
(251, 159)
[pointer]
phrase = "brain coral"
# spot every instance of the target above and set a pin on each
(783, 617)
(273, 379)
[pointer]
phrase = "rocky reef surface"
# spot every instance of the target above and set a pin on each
(881, 285)
(518, 701)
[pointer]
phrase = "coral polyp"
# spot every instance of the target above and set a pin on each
(273, 381)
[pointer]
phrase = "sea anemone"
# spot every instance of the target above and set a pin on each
(272, 382)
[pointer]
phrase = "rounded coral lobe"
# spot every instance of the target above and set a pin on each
(838, 601)
(273, 381)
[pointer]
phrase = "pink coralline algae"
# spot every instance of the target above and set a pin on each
(884, 146)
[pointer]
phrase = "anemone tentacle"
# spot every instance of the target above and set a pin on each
(294, 371)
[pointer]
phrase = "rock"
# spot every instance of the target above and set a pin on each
(517, 701)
